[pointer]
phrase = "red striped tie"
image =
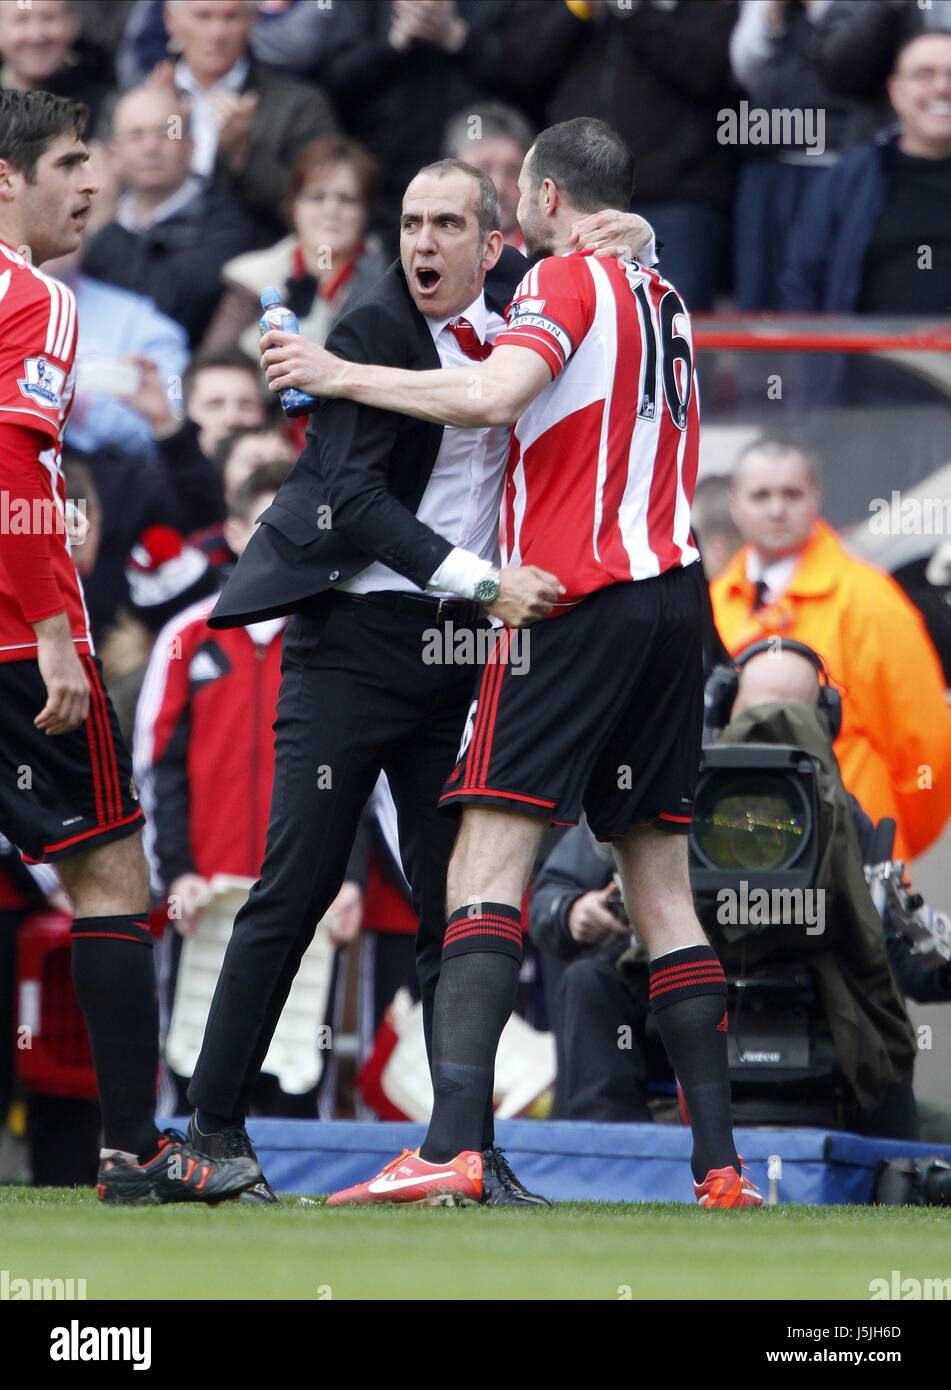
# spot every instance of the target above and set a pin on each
(467, 338)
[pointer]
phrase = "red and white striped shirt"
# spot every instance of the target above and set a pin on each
(37, 351)
(603, 463)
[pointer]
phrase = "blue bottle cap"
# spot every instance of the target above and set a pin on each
(269, 296)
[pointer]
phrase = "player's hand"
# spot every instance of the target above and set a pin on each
(289, 359)
(610, 234)
(188, 895)
(67, 690)
(347, 909)
(590, 920)
(525, 595)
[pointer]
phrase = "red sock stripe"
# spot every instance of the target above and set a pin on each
(672, 971)
(112, 761)
(471, 924)
(496, 918)
(707, 979)
(515, 938)
(670, 977)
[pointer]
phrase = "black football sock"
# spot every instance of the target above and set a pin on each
(210, 1123)
(114, 979)
(688, 1000)
(478, 983)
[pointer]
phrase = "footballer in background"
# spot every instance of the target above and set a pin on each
(66, 791)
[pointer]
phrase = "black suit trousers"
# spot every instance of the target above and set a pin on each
(356, 697)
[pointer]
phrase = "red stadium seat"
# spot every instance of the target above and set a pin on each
(58, 1060)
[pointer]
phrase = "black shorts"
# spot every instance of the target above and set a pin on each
(603, 709)
(63, 793)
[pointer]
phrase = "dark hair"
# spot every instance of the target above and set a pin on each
(488, 211)
(319, 155)
(942, 33)
(226, 447)
(232, 357)
(31, 121)
(267, 477)
(589, 162)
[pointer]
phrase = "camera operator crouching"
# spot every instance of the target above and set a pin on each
(819, 1034)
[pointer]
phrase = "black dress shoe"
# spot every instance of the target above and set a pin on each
(500, 1186)
(232, 1143)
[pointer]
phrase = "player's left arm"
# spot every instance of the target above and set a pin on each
(494, 392)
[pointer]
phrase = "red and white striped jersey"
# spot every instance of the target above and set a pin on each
(603, 463)
(37, 350)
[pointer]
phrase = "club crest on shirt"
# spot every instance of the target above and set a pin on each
(43, 383)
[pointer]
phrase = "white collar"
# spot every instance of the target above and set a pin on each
(125, 211)
(775, 575)
(477, 314)
(232, 81)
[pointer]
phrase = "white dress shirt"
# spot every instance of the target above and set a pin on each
(464, 493)
(204, 124)
(775, 576)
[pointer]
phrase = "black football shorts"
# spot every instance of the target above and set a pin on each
(62, 793)
(601, 710)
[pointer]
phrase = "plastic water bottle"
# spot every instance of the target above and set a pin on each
(277, 315)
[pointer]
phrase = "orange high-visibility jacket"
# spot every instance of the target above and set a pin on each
(895, 746)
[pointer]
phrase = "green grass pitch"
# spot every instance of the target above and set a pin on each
(587, 1250)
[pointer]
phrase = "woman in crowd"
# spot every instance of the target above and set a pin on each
(325, 260)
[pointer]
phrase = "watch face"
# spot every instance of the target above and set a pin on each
(487, 590)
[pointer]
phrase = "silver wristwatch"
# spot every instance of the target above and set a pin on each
(487, 589)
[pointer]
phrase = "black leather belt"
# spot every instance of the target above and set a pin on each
(460, 611)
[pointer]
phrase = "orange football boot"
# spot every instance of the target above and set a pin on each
(415, 1182)
(725, 1187)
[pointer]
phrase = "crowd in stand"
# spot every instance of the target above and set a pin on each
(245, 143)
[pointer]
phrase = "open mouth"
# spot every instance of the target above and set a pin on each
(427, 280)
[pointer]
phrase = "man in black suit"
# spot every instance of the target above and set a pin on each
(606, 716)
(378, 510)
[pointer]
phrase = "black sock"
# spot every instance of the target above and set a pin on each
(476, 993)
(688, 999)
(114, 978)
(209, 1123)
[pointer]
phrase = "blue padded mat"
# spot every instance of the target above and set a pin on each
(586, 1162)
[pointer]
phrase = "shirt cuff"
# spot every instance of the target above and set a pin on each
(647, 255)
(459, 573)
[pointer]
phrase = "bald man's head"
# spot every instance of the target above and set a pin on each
(151, 147)
(780, 677)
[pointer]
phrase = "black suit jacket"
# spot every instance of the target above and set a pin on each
(362, 470)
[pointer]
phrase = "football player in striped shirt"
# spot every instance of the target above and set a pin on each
(66, 792)
(595, 374)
